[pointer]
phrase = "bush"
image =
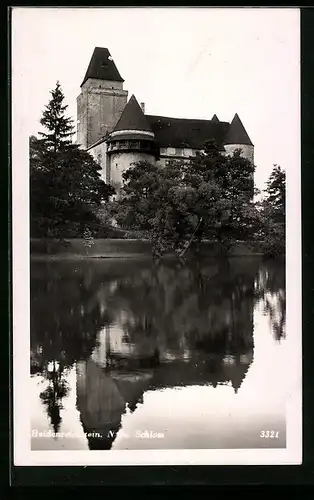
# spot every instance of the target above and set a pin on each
(274, 241)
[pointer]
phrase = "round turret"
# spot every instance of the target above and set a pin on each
(131, 141)
(237, 138)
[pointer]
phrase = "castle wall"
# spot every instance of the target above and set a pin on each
(169, 154)
(120, 162)
(247, 151)
(93, 83)
(111, 173)
(177, 152)
(99, 107)
(99, 153)
(81, 104)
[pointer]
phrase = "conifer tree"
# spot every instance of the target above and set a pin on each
(275, 192)
(273, 213)
(65, 180)
(59, 127)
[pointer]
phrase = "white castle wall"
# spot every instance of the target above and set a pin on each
(99, 153)
(247, 151)
(120, 162)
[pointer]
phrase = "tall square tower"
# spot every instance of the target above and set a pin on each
(102, 99)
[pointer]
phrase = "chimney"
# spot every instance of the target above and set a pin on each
(143, 107)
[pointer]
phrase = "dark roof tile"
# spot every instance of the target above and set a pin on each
(237, 133)
(102, 67)
(185, 132)
(133, 118)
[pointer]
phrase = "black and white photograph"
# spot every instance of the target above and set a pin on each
(156, 236)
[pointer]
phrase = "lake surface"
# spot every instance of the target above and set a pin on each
(132, 354)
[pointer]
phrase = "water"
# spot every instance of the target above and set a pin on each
(130, 354)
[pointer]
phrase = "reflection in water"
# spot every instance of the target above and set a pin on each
(135, 332)
(272, 290)
(52, 396)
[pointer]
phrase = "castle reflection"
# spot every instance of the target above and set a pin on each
(135, 326)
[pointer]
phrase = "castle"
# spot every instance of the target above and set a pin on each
(117, 132)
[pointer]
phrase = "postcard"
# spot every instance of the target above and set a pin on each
(156, 236)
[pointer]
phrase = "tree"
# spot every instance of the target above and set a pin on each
(65, 180)
(209, 196)
(226, 189)
(60, 128)
(275, 192)
(273, 213)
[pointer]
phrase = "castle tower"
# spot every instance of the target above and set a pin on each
(131, 141)
(237, 138)
(102, 99)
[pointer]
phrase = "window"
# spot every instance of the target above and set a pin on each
(179, 151)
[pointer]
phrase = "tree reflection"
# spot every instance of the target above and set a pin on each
(205, 307)
(271, 290)
(65, 319)
(65, 315)
(52, 396)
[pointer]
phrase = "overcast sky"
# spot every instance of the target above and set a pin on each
(181, 62)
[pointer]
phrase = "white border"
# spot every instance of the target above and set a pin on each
(23, 455)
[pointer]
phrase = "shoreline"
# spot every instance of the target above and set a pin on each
(77, 257)
(87, 257)
(76, 249)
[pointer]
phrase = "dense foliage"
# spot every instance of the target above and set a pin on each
(210, 196)
(65, 180)
(273, 213)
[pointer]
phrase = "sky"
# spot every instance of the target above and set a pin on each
(182, 62)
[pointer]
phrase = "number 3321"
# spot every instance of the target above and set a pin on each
(269, 434)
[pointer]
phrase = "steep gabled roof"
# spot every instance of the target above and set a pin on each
(102, 67)
(186, 132)
(237, 133)
(215, 118)
(133, 118)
